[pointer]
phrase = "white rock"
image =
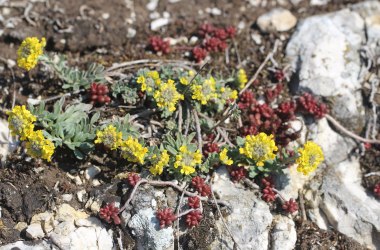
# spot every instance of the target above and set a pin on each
(105, 16)
(27, 245)
(131, 32)
(67, 197)
(91, 172)
(96, 183)
(152, 5)
(81, 195)
(193, 40)
(158, 23)
(46, 219)
(20, 226)
(214, 11)
(347, 205)
(254, 3)
(319, 2)
(64, 228)
(145, 227)
(335, 147)
(277, 19)
(284, 235)
(250, 219)
(67, 213)
(165, 14)
(88, 222)
(328, 62)
(34, 231)
(154, 15)
(4, 134)
(256, 38)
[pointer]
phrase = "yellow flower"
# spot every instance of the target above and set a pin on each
(259, 148)
(184, 80)
(163, 161)
(110, 137)
(167, 96)
(242, 78)
(205, 92)
(187, 160)
(133, 151)
(311, 156)
(39, 147)
(224, 158)
(29, 52)
(141, 80)
(226, 93)
(21, 121)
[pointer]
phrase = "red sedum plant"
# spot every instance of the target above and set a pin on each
(290, 206)
(376, 190)
(99, 94)
(110, 213)
(165, 217)
(193, 218)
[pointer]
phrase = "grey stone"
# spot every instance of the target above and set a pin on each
(27, 245)
(91, 172)
(34, 231)
(276, 20)
(348, 207)
(284, 235)
(146, 228)
(327, 62)
(250, 219)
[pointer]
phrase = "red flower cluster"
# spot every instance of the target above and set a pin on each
(194, 202)
(199, 184)
(199, 54)
(193, 218)
(268, 193)
(376, 189)
(279, 75)
(110, 214)
(99, 94)
(157, 44)
(272, 94)
(214, 40)
(210, 148)
(165, 217)
(308, 104)
(290, 206)
(238, 173)
(246, 100)
(133, 178)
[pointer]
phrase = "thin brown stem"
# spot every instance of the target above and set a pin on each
(199, 132)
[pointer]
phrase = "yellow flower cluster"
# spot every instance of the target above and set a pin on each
(311, 155)
(224, 157)
(39, 147)
(226, 93)
(205, 91)
(259, 148)
(162, 161)
(29, 52)
(186, 80)
(149, 81)
(21, 122)
(167, 96)
(133, 151)
(242, 78)
(110, 137)
(187, 160)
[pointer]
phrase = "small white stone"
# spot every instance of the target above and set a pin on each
(241, 25)
(193, 40)
(256, 38)
(20, 226)
(319, 2)
(91, 172)
(154, 15)
(11, 63)
(34, 231)
(81, 195)
(96, 183)
(158, 23)
(152, 5)
(78, 181)
(277, 19)
(131, 32)
(214, 11)
(105, 16)
(166, 14)
(67, 197)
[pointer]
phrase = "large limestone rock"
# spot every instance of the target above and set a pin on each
(250, 219)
